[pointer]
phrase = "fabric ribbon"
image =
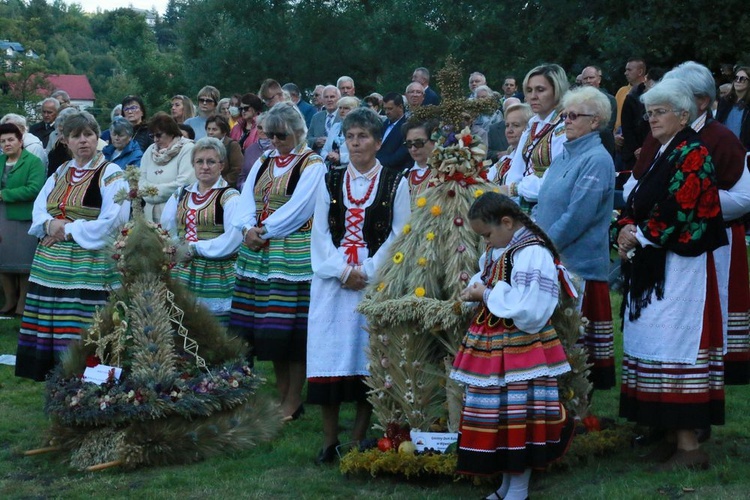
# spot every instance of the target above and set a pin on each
(565, 280)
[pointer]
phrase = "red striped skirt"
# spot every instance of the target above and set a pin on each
(737, 358)
(598, 336)
(512, 428)
(676, 395)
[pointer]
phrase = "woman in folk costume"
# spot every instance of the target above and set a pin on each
(71, 274)
(358, 214)
(673, 370)
(200, 215)
(542, 141)
(419, 143)
(272, 290)
(517, 118)
(512, 420)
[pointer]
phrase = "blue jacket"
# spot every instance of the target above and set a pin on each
(131, 155)
(575, 206)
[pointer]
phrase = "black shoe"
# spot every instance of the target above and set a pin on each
(703, 435)
(298, 412)
(327, 455)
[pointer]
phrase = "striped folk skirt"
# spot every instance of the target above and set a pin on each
(676, 395)
(212, 283)
(512, 428)
(66, 285)
(598, 336)
(737, 358)
(271, 299)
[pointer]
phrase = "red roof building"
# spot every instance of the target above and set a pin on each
(77, 86)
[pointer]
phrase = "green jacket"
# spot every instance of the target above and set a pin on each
(25, 180)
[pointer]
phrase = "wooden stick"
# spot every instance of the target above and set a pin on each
(39, 451)
(105, 465)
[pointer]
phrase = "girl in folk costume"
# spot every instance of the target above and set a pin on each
(420, 145)
(272, 289)
(72, 273)
(544, 87)
(358, 214)
(512, 420)
(199, 214)
(517, 117)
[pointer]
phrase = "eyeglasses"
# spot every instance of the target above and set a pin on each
(156, 136)
(279, 135)
(572, 115)
(206, 100)
(131, 108)
(418, 143)
(210, 163)
(740, 79)
(656, 113)
(245, 108)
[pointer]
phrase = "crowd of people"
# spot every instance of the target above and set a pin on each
(288, 209)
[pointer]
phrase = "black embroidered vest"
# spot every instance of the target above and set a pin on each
(378, 216)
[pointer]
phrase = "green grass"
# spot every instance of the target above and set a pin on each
(284, 468)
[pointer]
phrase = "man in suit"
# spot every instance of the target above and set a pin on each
(44, 128)
(393, 154)
(317, 97)
(422, 76)
(305, 108)
(322, 121)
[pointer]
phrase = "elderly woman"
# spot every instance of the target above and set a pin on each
(672, 375)
(420, 145)
(74, 215)
(253, 152)
(22, 176)
(134, 111)
(575, 210)
(218, 128)
(246, 131)
(58, 152)
(544, 87)
(358, 214)
(334, 151)
(208, 101)
(200, 215)
(123, 150)
(166, 165)
(272, 290)
(181, 108)
(517, 117)
(734, 110)
(31, 143)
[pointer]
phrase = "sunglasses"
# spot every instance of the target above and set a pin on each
(573, 116)
(245, 108)
(131, 108)
(204, 100)
(740, 79)
(418, 143)
(156, 136)
(279, 135)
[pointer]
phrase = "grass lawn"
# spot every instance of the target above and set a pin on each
(284, 468)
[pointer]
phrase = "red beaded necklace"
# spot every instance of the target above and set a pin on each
(200, 199)
(366, 197)
(283, 161)
(416, 179)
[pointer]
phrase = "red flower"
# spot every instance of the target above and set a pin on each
(656, 227)
(92, 361)
(685, 237)
(688, 193)
(708, 205)
(592, 423)
(466, 139)
(693, 161)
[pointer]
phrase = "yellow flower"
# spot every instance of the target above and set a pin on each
(380, 287)
(422, 261)
(421, 201)
(398, 258)
(407, 228)
(430, 236)
(497, 190)
(436, 210)
(419, 292)
(478, 193)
